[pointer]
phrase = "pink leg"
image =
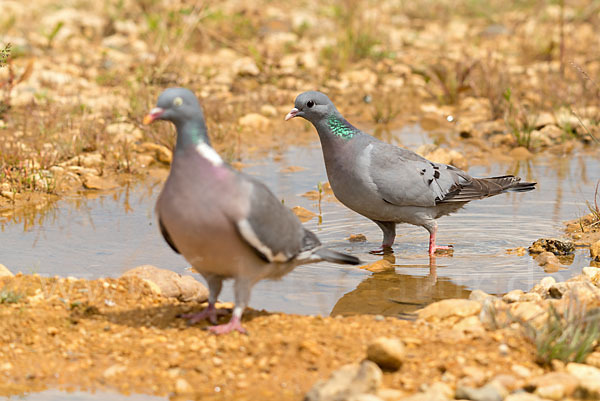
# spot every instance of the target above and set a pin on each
(234, 324)
(210, 313)
(432, 246)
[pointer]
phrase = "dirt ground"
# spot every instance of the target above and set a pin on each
(116, 334)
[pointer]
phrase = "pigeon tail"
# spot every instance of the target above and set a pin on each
(480, 188)
(336, 257)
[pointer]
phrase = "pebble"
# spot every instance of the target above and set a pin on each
(523, 396)
(490, 392)
(254, 121)
(589, 378)
(350, 380)
(512, 296)
(595, 250)
(357, 238)
(182, 386)
(553, 385)
(479, 295)
(91, 181)
(450, 307)
(591, 272)
(521, 371)
(387, 353)
(303, 214)
(171, 284)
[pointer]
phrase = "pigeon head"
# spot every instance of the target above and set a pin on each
(313, 106)
(181, 107)
(176, 105)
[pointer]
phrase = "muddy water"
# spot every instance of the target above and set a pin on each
(106, 234)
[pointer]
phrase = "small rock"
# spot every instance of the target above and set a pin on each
(91, 181)
(521, 371)
(520, 153)
(479, 295)
(490, 392)
(436, 392)
(254, 121)
(557, 247)
(173, 285)
(595, 250)
(245, 66)
(589, 378)
(390, 394)
(183, 387)
(450, 307)
(268, 110)
(114, 370)
(547, 259)
(387, 353)
(357, 238)
(303, 214)
(543, 119)
(379, 266)
(553, 132)
(530, 297)
(523, 396)
(503, 349)
(512, 296)
(4, 272)
(592, 273)
(349, 380)
(546, 386)
(593, 359)
(160, 152)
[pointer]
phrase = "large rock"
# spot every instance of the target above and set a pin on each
(436, 392)
(595, 250)
(347, 382)
(490, 392)
(387, 353)
(553, 385)
(556, 246)
(589, 379)
(170, 284)
(450, 307)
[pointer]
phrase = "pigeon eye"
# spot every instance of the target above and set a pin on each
(178, 101)
(310, 104)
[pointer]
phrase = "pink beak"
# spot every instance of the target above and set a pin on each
(153, 115)
(291, 114)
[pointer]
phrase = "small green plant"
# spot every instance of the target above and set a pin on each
(10, 297)
(568, 336)
(4, 54)
(50, 36)
(519, 121)
(385, 108)
(594, 209)
(451, 79)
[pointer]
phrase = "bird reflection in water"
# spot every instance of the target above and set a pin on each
(390, 293)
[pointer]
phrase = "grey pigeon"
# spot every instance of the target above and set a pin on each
(388, 184)
(225, 223)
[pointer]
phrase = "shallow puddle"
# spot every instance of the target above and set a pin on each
(107, 234)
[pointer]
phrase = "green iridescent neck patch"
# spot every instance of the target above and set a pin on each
(341, 128)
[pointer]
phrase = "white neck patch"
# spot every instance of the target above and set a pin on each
(209, 154)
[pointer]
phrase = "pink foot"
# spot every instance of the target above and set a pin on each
(382, 250)
(210, 313)
(233, 324)
(434, 248)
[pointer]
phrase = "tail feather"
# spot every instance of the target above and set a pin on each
(480, 188)
(336, 257)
